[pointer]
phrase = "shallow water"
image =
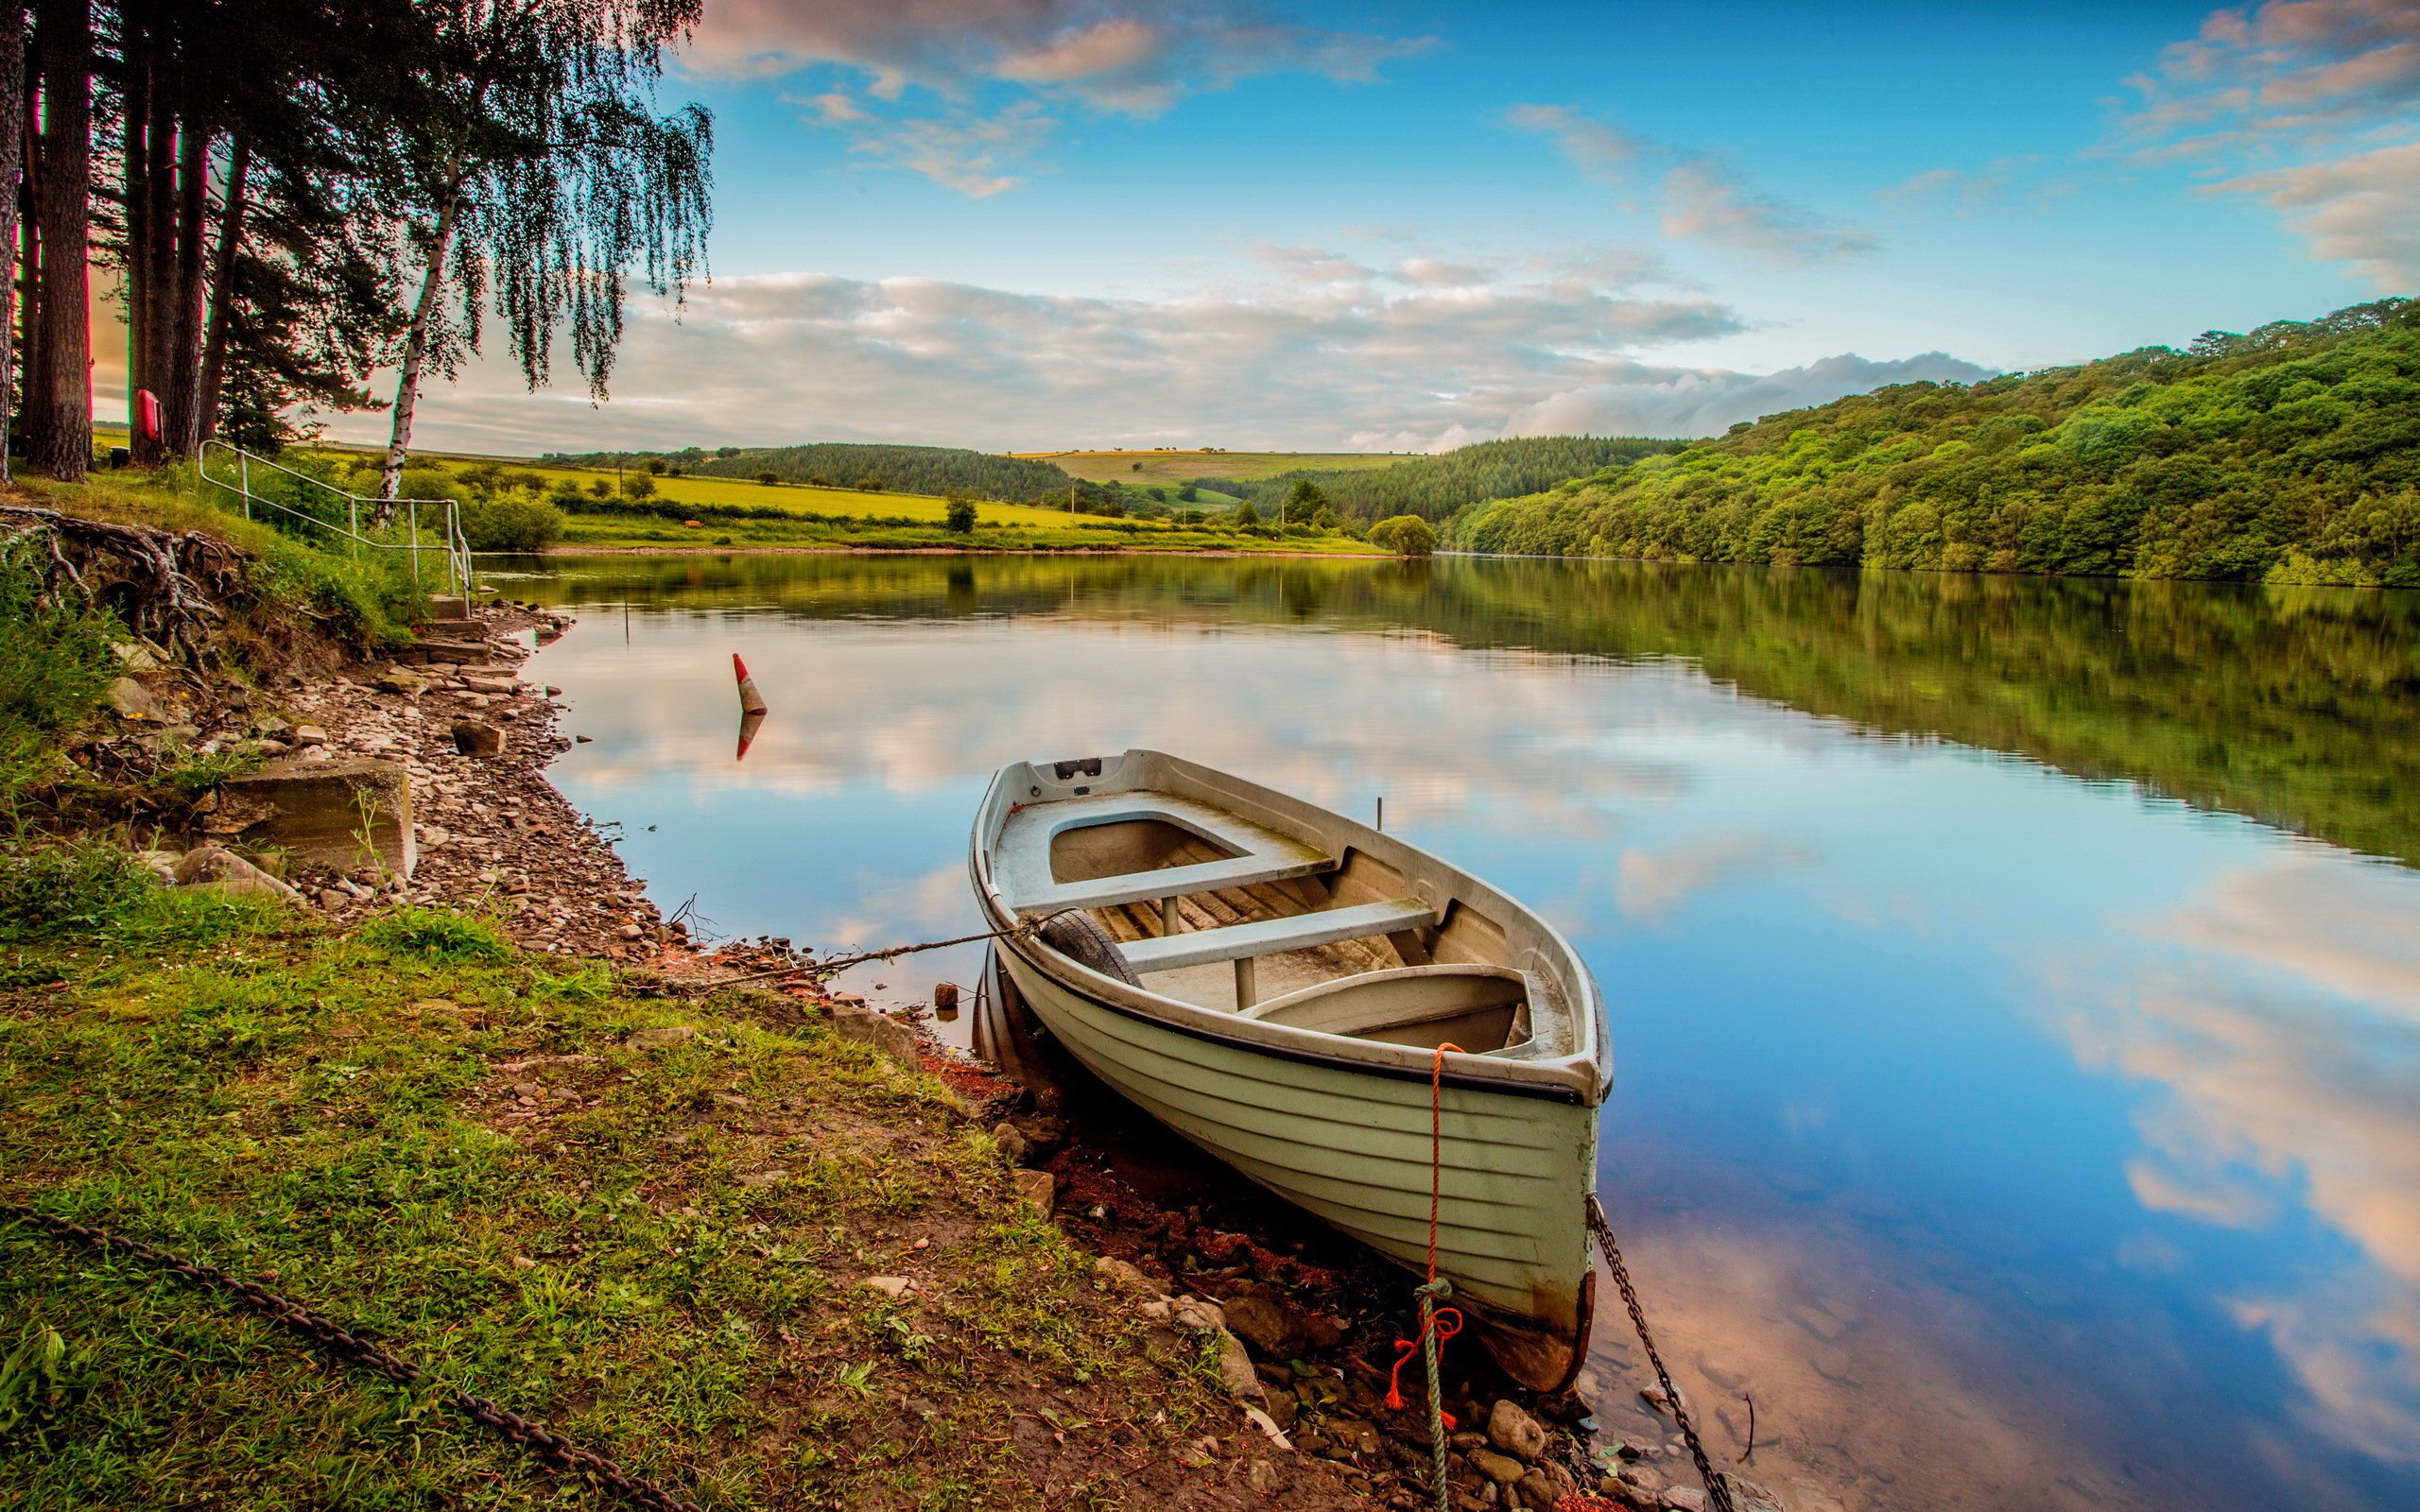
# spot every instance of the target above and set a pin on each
(2015, 986)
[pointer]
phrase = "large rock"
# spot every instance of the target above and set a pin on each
(883, 1031)
(216, 866)
(129, 700)
(1265, 1326)
(1544, 1488)
(475, 737)
(1235, 1368)
(342, 815)
(1038, 1187)
(1514, 1432)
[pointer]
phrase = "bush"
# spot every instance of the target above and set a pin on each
(769, 479)
(63, 890)
(55, 665)
(434, 934)
(1406, 535)
(959, 515)
(505, 522)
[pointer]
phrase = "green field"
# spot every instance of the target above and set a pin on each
(837, 517)
(1182, 466)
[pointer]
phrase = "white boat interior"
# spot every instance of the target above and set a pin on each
(1211, 907)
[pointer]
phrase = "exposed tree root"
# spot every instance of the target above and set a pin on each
(169, 587)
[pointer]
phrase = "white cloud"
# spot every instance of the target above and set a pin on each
(2311, 105)
(2284, 1055)
(1327, 353)
(969, 153)
(1122, 56)
(1651, 883)
(1701, 198)
(1639, 399)
(1963, 189)
(2364, 210)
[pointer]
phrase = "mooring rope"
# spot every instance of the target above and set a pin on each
(1437, 1324)
(841, 963)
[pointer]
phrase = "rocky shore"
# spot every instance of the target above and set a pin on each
(451, 746)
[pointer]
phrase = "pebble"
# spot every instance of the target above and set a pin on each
(1501, 1469)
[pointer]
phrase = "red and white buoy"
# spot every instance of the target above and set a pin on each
(751, 701)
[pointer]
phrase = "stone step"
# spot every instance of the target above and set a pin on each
(462, 653)
(450, 606)
(340, 814)
(455, 628)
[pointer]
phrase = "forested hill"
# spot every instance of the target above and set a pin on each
(1435, 487)
(2289, 455)
(896, 469)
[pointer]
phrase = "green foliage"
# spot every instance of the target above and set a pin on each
(89, 892)
(434, 935)
(55, 665)
(67, 889)
(959, 515)
(1434, 486)
(507, 521)
(1245, 516)
(2292, 455)
(638, 486)
(1406, 535)
(930, 470)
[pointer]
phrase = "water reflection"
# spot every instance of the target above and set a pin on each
(2020, 1132)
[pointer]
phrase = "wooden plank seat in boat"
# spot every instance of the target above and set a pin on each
(1475, 1007)
(1272, 937)
(1260, 854)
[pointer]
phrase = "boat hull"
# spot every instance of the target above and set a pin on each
(1352, 1146)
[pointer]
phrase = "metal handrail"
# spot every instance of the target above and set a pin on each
(450, 538)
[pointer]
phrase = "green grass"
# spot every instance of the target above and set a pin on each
(1181, 467)
(656, 1247)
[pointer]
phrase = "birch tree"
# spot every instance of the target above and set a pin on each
(540, 176)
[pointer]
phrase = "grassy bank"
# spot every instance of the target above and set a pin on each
(652, 1224)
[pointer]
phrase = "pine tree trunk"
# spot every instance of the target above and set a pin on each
(59, 410)
(222, 294)
(182, 373)
(13, 151)
(33, 363)
(416, 344)
(137, 154)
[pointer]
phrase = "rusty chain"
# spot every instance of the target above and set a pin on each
(1717, 1490)
(368, 1354)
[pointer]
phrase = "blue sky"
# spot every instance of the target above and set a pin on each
(1030, 224)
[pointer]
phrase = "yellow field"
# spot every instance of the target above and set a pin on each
(798, 498)
(1182, 466)
(795, 498)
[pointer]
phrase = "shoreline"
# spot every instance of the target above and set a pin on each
(1301, 1322)
(945, 551)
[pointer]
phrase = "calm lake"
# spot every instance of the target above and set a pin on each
(2015, 986)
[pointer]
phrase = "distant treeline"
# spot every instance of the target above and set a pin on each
(1435, 487)
(937, 470)
(2289, 455)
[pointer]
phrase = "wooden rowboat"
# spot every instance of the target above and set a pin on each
(1272, 981)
